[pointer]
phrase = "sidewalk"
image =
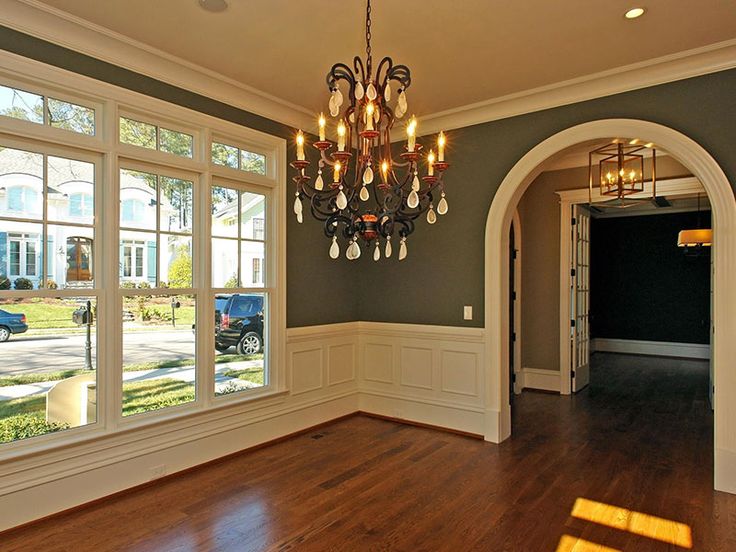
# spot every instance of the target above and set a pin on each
(183, 373)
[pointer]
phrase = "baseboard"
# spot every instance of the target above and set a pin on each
(725, 471)
(544, 380)
(654, 348)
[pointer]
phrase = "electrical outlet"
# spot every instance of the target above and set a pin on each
(468, 312)
(157, 472)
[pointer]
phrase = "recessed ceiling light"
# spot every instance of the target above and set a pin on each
(633, 13)
(213, 5)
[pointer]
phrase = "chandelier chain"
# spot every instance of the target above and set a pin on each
(368, 31)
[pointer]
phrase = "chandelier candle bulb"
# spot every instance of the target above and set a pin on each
(384, 170)
(322, 124)
(300, 146)
(430, 163)
(341, 131)
(441, 147)
(369, 109)
(336, 173)
(411, 133)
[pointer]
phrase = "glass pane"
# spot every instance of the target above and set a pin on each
(158, 352)
(252, 216)
(137, 260)
(21, 105)
(176, 205)
(253, 162)
(21, 255)
(239, 342)
(44, 389)
(72, 117)
(225, 155)
(252, 255)
(224, 212)
(176, 261)
(69, 257)
(21, 183)
(71, 188)
(175, 142)
(137, 199)
(137, 133)
(224, 263)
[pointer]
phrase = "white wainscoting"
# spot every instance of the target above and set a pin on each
(655, 348)
(426, 374)
(544, 380)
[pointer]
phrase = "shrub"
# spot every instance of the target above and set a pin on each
(127, 285)
(50, 284)
(22, 426)
(180, 270)
(23, 283)
(232, 282)
(4, 282)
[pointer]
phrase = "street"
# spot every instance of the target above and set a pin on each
(27, 354)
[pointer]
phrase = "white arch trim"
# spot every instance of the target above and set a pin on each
(721, 196)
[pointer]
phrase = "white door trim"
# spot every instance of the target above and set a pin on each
(721, 196)
(670, 188)
(516, 224)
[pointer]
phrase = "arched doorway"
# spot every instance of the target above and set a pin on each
(720, 193)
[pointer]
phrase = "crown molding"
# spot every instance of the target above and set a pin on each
(59, 27)
(681, 65)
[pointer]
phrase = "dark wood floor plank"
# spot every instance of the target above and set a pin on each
(638, 438)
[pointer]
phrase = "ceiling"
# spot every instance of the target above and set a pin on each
(459, 52)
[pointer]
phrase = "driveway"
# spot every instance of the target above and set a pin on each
(28, 354)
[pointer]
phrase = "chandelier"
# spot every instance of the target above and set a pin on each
(620, 170)
(361, 193)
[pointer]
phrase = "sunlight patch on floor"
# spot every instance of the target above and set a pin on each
(638, 523)
(575, 544)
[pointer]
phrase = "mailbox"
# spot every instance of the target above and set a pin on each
(82, 316)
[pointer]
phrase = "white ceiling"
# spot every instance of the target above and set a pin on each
(459, 52)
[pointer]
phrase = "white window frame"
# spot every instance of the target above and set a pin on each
(110, 102)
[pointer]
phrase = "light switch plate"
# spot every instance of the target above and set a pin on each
(468, 312)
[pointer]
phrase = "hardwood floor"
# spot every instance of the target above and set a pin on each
(634, 453)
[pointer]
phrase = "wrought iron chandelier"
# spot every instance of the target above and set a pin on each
(381, 197)
(620, 170)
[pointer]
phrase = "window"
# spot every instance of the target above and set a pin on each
(81, 205)
(133, 211)
(150, 136)
(23, 199)
(258, 228)
(36, 108)
(236, 158)
(257, 275)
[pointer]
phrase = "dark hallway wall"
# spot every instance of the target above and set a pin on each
(642, 285)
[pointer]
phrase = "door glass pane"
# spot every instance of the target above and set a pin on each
(21, 105)
(158, 352)
(71, 188)
(176, 261)
(72, 117)
(224, 212)
(138, 199)
(44, 389)
(176, 204)
(240, 342)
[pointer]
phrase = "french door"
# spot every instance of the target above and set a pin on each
(580, 298)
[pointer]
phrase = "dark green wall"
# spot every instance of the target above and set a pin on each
(308, 262)
(444, 270)
(642, 286)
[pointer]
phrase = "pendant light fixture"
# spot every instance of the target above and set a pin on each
(618, 169)
(695, 241)
(361, 193)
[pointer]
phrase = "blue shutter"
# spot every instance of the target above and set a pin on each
(151, 263)
(4, 268)
(15, 199)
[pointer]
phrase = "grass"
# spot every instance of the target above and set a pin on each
(219, 359)
(25, 379)
(43, 315)
(253, 375)
(144, 396)
(25, 405)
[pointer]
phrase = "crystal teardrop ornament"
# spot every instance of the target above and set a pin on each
(342, 200)
(319, 184)
(399, 112)
(413, 200)
(364, 195)
(338, 97)
(377, 252)
(334, 248)
(297, 206)
(388, 250)
(387, 92)
(356, 250)
(442, 206)
(402, 104)
(334, 108)
(431, 216)
(371, 92)
(299, 218)
(352, 118)
(368, 175)
(415, 183)
(349, 252)
(359, 91)
(402, 249)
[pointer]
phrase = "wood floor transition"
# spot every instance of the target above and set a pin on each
(624, 465)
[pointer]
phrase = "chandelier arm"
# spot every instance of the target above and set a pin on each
(338, 72)
(360, 71)
(401, 74)
(330, 227)
(385, 61)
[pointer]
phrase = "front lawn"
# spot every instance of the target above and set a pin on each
(41, 314)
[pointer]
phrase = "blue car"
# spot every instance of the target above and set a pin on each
(11, 324)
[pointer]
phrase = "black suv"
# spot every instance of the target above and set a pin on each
(239, 323)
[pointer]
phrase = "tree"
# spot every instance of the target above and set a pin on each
(180, 269)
